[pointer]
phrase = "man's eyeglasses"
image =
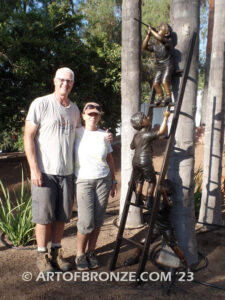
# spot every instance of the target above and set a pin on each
(65, 80)
(91, 106)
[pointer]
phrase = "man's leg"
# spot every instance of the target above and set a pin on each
(56, 253)
(57, 232)
(63, 212)
(43, 234)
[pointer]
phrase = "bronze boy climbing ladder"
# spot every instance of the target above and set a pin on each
(162, 174)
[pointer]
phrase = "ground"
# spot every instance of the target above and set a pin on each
(15, 262)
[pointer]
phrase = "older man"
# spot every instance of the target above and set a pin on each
(48, 140)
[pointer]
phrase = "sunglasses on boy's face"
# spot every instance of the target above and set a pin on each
(91, 106)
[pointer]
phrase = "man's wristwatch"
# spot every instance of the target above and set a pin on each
(114, 182)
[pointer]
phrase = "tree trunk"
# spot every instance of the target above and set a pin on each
(131, 96)
(208, 57)
(181, 164)
(210, 211)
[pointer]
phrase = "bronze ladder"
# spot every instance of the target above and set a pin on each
(170, 140)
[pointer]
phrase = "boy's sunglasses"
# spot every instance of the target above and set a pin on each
(91, 106)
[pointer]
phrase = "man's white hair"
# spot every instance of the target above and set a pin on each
(61, 70)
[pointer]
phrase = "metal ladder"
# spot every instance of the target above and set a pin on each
(146, 245)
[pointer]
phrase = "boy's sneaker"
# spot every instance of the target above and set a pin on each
(82, 263)
(92, 260)
(58, 261)
(43, 262)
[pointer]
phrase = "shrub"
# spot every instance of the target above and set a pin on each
(198, 189)
(11, 140)
(15, 219)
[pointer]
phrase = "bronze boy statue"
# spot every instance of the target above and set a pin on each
(142, 160)
(163, 225)
(164, 60)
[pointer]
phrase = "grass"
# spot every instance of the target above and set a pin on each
(15, 219)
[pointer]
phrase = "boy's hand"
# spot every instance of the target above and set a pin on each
(166, 114)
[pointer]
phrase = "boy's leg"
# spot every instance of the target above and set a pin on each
(157, 86)
(150, 192)
(139, 187)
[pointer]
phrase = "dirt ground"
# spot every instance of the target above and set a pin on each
(16, 263)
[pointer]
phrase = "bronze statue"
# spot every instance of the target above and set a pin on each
(164, 60)
(163, 225)
(142, 160)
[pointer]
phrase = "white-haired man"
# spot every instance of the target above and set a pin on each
(49, 140)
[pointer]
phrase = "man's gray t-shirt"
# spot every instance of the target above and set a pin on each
(54, 141)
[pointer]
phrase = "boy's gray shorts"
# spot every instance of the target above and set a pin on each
(92, 198)
(53, 201)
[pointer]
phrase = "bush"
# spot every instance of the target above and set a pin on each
(11, 140)
(198, 189)
(15, 220)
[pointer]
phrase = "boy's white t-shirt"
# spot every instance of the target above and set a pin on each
(91, 149)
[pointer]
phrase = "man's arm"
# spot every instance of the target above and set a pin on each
(29, 147)
(110, 162)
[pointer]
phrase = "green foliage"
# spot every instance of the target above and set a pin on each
(102, 17)
(38, 37)
(103, 84)
(198, 188)
(12, 140)
(155, 13)
(15, 220)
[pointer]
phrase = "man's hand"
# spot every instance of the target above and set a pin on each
(36, 177)
(109, 136)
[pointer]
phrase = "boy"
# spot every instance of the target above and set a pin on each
(164, 60)
(163, 225)
(142, 160)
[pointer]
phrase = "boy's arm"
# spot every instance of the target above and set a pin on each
(157, 36)
(132, 147)
(162, 128)
(145, 42)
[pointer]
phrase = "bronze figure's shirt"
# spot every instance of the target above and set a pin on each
(143, 148)
(163, 51)
(142, 161)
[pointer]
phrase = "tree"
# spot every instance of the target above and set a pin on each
(131, 95)
(208, 58)
(32, 45)
(210, 211)
(181, 164)
(36, 38)
(102, 16)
